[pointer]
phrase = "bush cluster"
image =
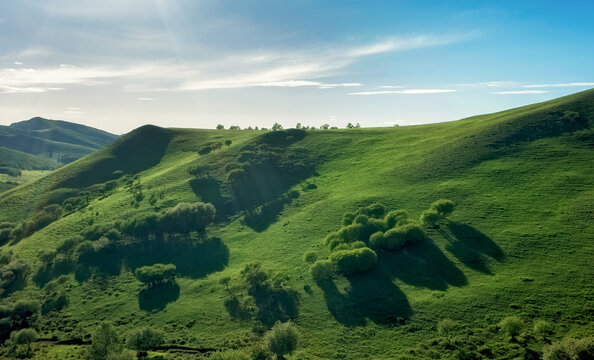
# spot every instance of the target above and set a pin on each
(355, 260)
(43, 218)
(21, 314)
(156, 274)
(13, 274)
(437, 212)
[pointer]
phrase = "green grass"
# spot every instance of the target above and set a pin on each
(519, 242)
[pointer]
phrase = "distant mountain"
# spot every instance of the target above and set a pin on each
(53, 142)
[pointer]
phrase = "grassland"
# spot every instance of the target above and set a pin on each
(519, 242)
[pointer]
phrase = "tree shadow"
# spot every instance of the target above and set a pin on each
(372, 296)
(208, 189)
(47, 273)
(422, 264)
(471, 246)
(236, 309)
(261, 218)
(192, 259)
(275, 304)
(157, 297)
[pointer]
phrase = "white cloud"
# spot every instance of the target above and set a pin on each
(493, 84)
(390, 87)
(408, 91)
(400, 44)
(560, 85)
(17, 63)
(24, 90)
(519, 92)
(145, 99)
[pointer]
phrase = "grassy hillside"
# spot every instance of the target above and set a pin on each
(60, 141)
(519, 242)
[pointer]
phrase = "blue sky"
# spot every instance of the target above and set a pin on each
(118, 64)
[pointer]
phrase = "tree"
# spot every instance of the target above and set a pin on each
(511, 326)
(282, 339)
(310, 257)
(355, 260)
(322, 270)
(443, 206)
(357, 126)
(145, 339)
(325, 127)
(431, 218)
(46, 257)
(104, 341)
(570, 349)
(67, 246)
(24, 337)
(156, 274)
(220, 127)
(228, 142)
(350, 126)
(277, 127)
(298, 126)
(234, 127)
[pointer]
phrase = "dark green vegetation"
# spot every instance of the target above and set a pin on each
(504, 274)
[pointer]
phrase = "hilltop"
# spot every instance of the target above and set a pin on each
(517, 244)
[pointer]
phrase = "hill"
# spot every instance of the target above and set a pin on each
(518, 243)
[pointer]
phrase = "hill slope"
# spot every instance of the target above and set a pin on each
(518, 244)
(60, 141)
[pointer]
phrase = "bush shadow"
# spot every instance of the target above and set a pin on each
(422, 264)
(372, 296)
(209, 190)
(275, 304)
(261, 218)
(471, 246)
(157, 297)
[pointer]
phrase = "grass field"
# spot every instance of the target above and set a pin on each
(520, 241)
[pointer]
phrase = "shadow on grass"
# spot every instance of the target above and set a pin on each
(372, 296)
(422, 264)
(209, 190)
(236, 309)
(275, 304)
(261, 218)
(157, 297)
(471, 246)
(195, 260)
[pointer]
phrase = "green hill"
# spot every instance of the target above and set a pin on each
(519, 242)
(60, 141)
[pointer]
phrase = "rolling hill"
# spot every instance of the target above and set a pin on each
(518, 244)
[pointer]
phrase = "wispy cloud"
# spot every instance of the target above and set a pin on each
(18, 63)
(24, 90)
(493, 84)
(518, 92)
(391, 87)
(560, 85)
(407, 92)
(145, 99)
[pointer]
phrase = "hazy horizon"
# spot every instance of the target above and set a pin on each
(118, 65)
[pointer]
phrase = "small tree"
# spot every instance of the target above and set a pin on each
(443, 206)
(67, 246)
(431, 218)
(543, 329)
(350, 126)
(511, 326)
(24, 337)
(322, 270)
(145, 339)
(220, 127)
(185, 218)
(277, 127)
(104, 341)
(228, 142)
(46, 257)
(282, 339)
(570, 349)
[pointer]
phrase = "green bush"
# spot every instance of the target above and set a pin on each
(543, 328)
(361, 219)
(322, 270)
(443, 206)
(85, 248)
(310, 257)
(145, 339)
(282, 339)
(347, 218)
(397, 237)
(46, 257)
(570, 349)
(354, 261)
(68, 246)
(105, 343)
(24, 337)
(156, 274)
(445, 327)
(350, 246)
(185, 218)
(431, 218)
(395, 218)
(374, 211)
(511, 326)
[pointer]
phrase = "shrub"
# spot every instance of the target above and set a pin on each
(13, 273)
(570, 349)
(332, 240)
(395, 218)
(84, 248)
(354, 261)
(376, 211)
(322, 270)
(351, 233)
(113, 234)
(67, 246)
(230, 355)
(237, 178)
(431, 218)
(446, 326)
(310, 257)
(259, 352)
(228, 142)
(377, 240)
(543, 328)
(144, 339)
(156, 274)
(46, 257)
(185, 218)
(511, 326)
(350, 246)
(347, 218)
(24, 312)
(397, 237)
(24, 337)
(282, 339)
(443, 206)
(361, 219)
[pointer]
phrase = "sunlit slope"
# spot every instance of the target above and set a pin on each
(519, 242)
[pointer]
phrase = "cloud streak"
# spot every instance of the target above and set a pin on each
(406, 92)
(519, 92)
(560, 85)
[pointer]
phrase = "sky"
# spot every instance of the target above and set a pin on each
(120, 64)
